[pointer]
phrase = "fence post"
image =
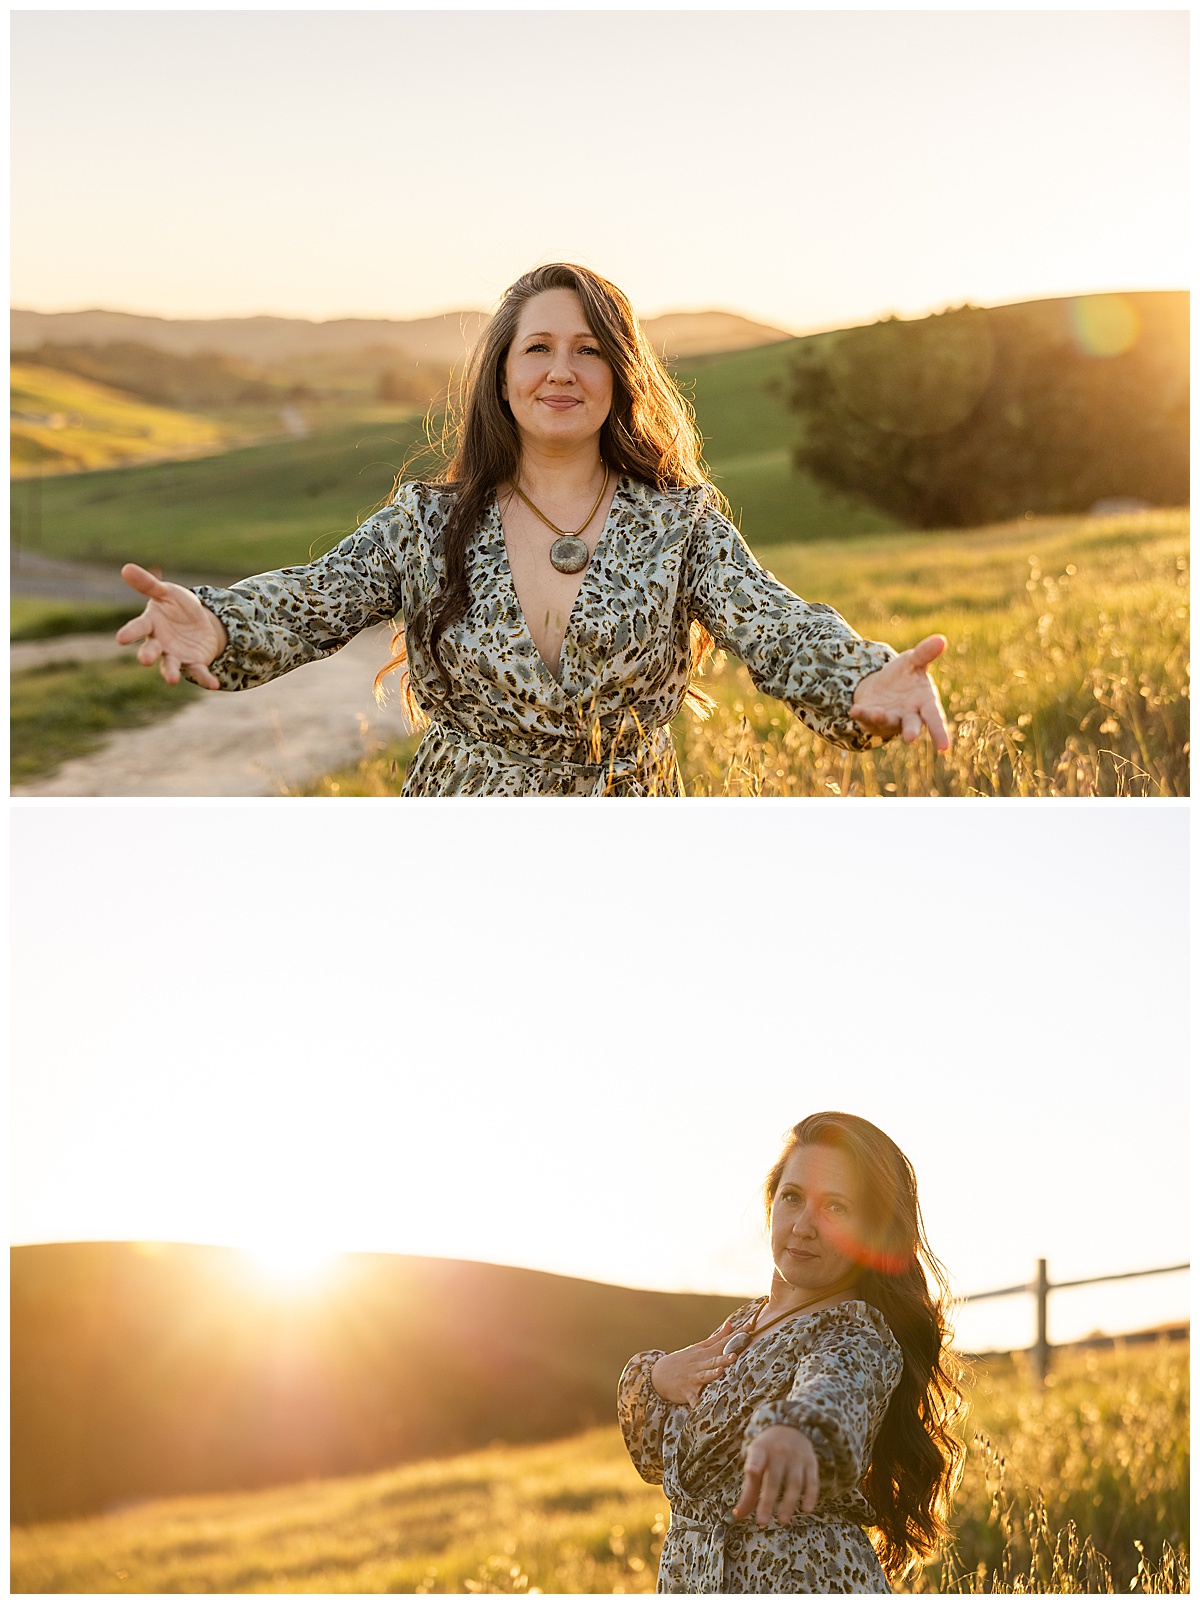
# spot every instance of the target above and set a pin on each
(1041, 1348)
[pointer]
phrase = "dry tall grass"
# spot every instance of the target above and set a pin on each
(1067, 672)
(1079, 1487)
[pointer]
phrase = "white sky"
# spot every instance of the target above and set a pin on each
(811, 168)
(572, 1037)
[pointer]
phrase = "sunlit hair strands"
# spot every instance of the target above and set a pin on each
(917, 1460)
(650, 434)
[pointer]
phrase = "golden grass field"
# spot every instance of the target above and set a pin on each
(61, 422)
(1079, 1487)
(1066, 674)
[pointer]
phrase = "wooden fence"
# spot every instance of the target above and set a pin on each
(1041, 1286)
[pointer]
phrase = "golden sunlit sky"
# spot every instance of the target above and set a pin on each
(573, 1039)
(809, 168)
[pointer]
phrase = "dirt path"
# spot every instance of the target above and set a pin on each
(255, 743)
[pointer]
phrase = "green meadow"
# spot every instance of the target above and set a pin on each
(67, 709)
(281, 501)
(263, 506)
(1080, 1487)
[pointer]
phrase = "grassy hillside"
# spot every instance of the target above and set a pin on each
(139, 1371)
(1105, 1448)
(63, 422)
(749, 435)
(261, 507)
(274, 504)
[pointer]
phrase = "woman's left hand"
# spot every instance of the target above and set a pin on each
(900, 696)
(782, 1475)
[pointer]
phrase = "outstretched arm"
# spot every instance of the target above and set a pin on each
(847, 689)
(837, 1398)
(230, 639)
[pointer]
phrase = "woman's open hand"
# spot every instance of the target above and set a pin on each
(901, 696)
(680, 1377)
(176, 630)
(781, 1476)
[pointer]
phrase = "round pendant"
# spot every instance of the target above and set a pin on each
(569, 554)
(738, 1343)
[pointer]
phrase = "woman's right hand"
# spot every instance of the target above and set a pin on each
(680, 1377)
(176, 629)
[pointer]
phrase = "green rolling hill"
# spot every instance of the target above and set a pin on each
(269, 505)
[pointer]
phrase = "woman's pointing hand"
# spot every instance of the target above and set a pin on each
(781, 1475)
(901, 697)
(176, 630)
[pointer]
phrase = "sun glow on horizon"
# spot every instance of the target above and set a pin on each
(297, 1264)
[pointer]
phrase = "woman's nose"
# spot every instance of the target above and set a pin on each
(560, 370)
(804, 1225)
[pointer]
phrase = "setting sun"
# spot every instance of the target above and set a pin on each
(297, 1264)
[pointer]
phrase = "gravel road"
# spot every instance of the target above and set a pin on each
(252, 743)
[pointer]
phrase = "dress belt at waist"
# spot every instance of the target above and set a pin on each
(710, 1571)
(618, 763)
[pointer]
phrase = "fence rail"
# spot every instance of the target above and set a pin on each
(1041, 1286)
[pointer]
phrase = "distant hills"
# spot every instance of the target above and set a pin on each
(270, 341)
(149, 1369)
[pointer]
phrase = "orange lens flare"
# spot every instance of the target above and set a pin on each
(868, 1255)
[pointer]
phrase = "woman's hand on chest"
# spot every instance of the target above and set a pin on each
(681, 1377)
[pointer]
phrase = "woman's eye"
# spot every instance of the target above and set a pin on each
(836, 1208)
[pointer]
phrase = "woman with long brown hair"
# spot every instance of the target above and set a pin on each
(807, 1445)
(557, 585)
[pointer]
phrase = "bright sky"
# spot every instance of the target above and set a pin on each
(808, 168)
(572, 1038)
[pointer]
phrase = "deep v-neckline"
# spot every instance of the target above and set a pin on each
(585, 577)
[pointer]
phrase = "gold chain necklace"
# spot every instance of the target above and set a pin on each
(741, 1340)
(569, 554)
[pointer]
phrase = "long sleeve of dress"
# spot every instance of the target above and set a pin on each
(642, 1413)
(842, 1384)
(802, 652)
(281, 620)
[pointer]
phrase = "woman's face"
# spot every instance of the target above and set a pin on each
(556, 380)
(816, 1217)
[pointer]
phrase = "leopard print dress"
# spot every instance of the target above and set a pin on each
(501, 723)
(830, 1374)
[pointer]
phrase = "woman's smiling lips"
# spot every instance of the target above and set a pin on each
(560, 403)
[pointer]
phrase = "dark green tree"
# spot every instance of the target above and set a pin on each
(976, 415)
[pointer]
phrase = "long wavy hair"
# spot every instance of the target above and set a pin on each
(650, 434)
(917, 1460)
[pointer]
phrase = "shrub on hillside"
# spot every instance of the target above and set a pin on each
(978, 415)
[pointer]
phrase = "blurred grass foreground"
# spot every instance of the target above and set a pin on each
(1078, 1487)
